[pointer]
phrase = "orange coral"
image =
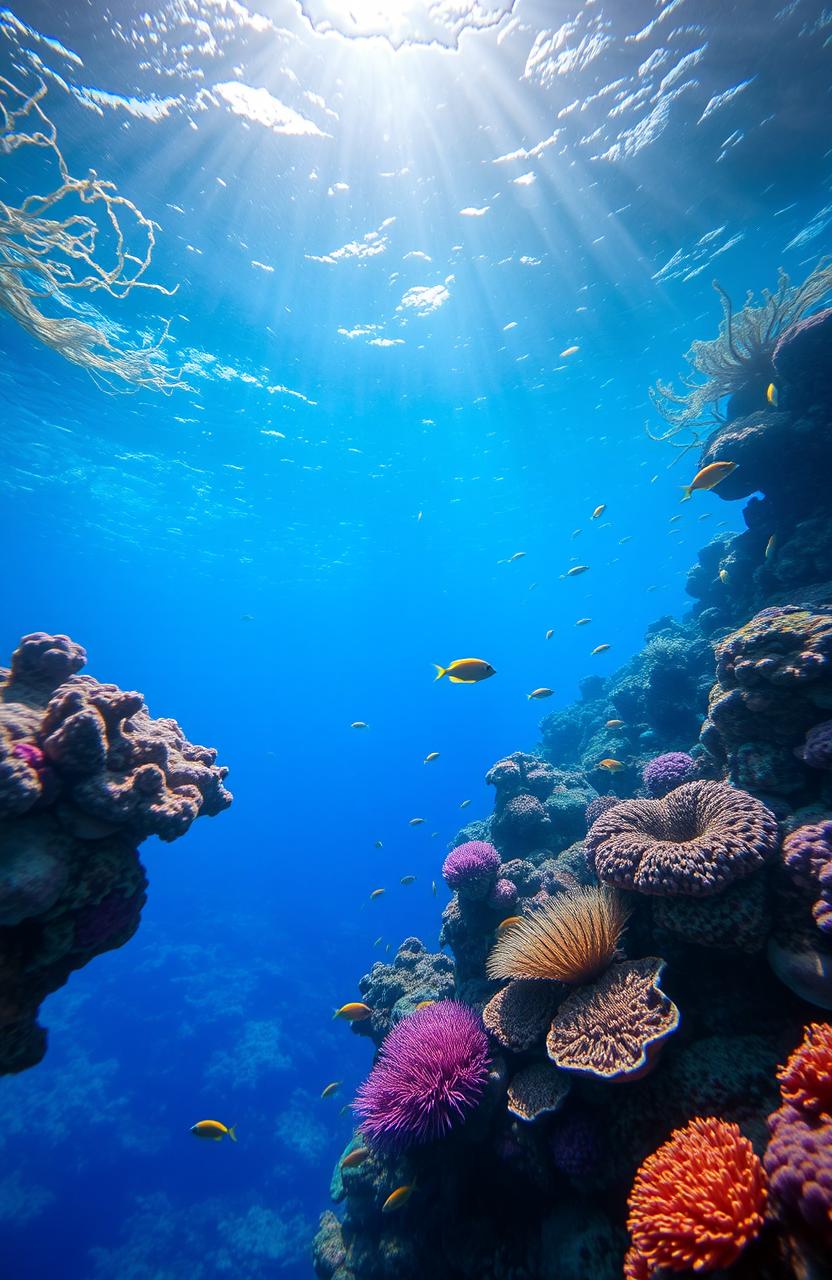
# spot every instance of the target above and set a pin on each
(806, 1079)
(696, 1202)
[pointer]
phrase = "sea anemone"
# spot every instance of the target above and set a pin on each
(572, 938)
(472, 868)
(696, 1202)
(431, 1071)
(806, 1079)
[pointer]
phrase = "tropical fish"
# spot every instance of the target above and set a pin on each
(611, 765)
(771, 546)
(376, 894)
(214, 1130)
(599, 511)
(398, 1198)
(355, 1157)
(540, 693)
(415, 822)
(518, 555)
(423, 1004)
(709, 477)
(673, 519)
(432, 755)
(433, 887)
(379, 940)
(575, 533)
(359, 724)
(419, 518)
(465, 670)
(463, 804)
(509, 921)
(628, 537)
(379, 844)
(354, 1012)
(614, 724)
(771, 395)
(724, 577)
(330, 1089)
(407, 880)
(600, 648)
(575, 570)
(583, 622)
(570, 351)
(550, 633)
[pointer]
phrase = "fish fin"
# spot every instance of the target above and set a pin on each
(688, 494)
(232, 1132)
(458, 680)
(440, 671)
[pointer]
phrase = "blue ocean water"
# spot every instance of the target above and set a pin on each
(386, 225)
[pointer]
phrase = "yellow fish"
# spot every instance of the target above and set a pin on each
(398, 1198)
(214, 1130)
(614, 724)
(463, 804)
(709, 477)
(433, 887)
(331, 1089)
(771, 546)
(509, 921)
(540, 693)
(583, 622)
(611, 766)
(598, 512)
(465, 670)
(724, 577)
(359, 724)
(771, 395)
(355, 1157)
(354, 1012)
(423, 1004)
(575, 570)
(432, 755)
(570, 351)
(376, 894)
(415, 822)
(549, 634)
(600, 648)
(407, 880)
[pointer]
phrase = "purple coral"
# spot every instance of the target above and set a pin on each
(807, 853)
(576, 1144)
(431, 1072)
(817, 747)
(472, 868)
(666, 772)
(502, 896)
(798, 1162)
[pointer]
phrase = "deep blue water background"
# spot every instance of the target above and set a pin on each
(147, 528)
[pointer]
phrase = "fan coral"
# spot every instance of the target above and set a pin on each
(696, 1202)
(613, 1029)
(431, 1071)
(807, 853)
(666, 772)
(572, 938)
(696, 841)
(537, 1090)
(806, 1079)
(472, 868)
(519, 1015)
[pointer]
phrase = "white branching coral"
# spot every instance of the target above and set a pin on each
(79, 239)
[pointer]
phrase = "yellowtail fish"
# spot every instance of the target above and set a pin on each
(356, 1011)
(214, 1130)
(379, 844)
(708, 478)
(463, 804)
(540, 693)
(600, 648)
(355, 1157)
(415, 822)
(771, 546)
(359, 724)
(509, 921)
(433, 887)
(423, 1004)
(614, 724)
(432, 755)
(611, 765)
(771, 395)
(398, 1198)
(598, 512)
(570, 351)
(465, 670)
(583, 622)
(724, 577)
(550, 633)
(407, 880)
(575, 570)
(376, 894)
(331, 1089)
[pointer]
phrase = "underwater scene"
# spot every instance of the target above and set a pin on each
(416, 639)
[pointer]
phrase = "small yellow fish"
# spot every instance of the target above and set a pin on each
(331, 1089)
(379, 844)
(771, 395)
(463, 804)
(550, 633)
(355, 1157)
(598, 512)
(611, 765)
(724, 577)
(433, 887)
(600, 648)
(583, 622)
(359, 724)
(771, 546)
(465, 670)
(415, 822)
(575, 570)
(423, 1004)
(708, 478)
(614, 724)
(356, 1011)
(570, 351)
(214, 1130)
(432, 755)
(376, 894)
(398, 1198)
(540, 693)
(407, 880)
(509, 921)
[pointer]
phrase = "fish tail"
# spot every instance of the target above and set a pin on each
(440, 671)
(688, 494)
(232, 1132)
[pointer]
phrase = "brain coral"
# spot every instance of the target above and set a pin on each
(431, 1071)
(613, 1029)
(807, 852)
(667, 771)
(598, 806)
(472, 868)
(696, 1202)
(696, 841)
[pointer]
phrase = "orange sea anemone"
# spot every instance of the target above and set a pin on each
(696, 1202)
(806, 1079)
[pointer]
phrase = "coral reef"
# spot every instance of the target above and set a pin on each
(665, 772)
(86, 774)
(807, 853)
